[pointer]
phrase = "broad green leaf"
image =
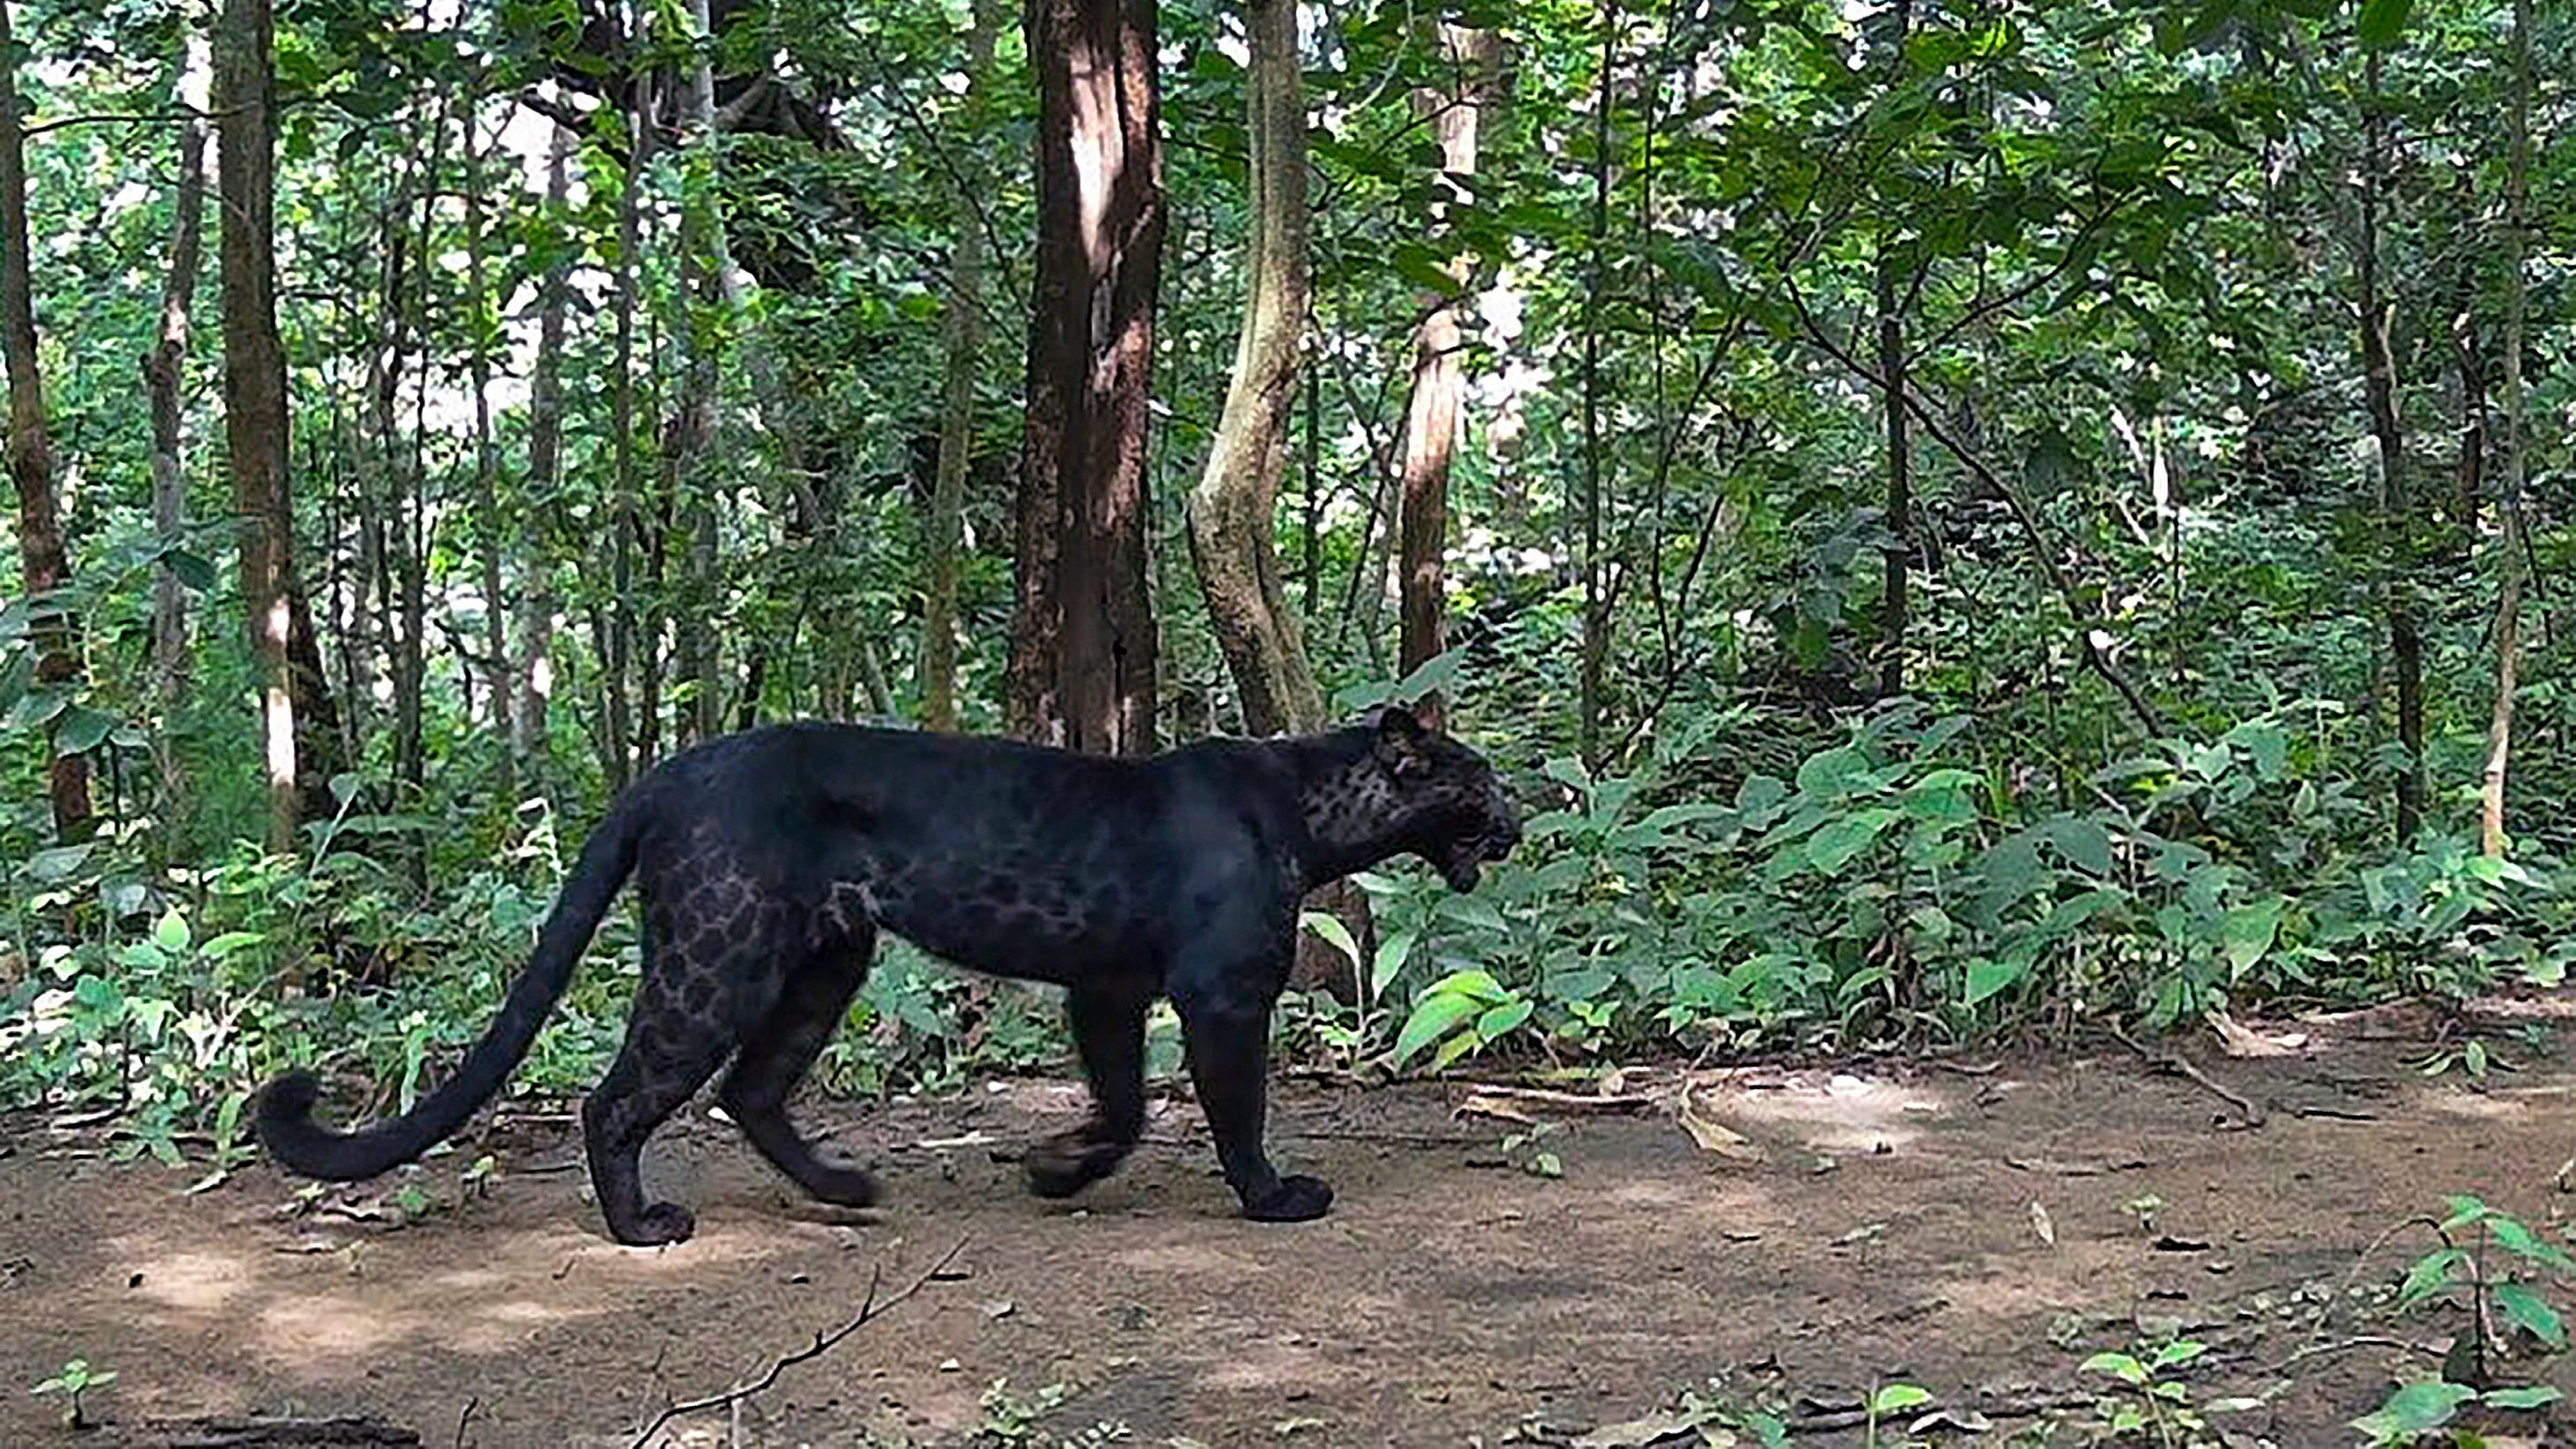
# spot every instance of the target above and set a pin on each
(2533, 1312)
(2084, 842)
(1499, 1021)
(170, 933)
(2118, 1365)
(1392, 952)
(1333, 932)
(2429, 1274)
(2418, 1408)
(2520, 1241)
(1433, 1018)
(2249, 932)
(1832, 772)
(1896, 1398)
(2381, 22)
(1839, 840)
(2267, 743)
(2533, 1396)
(1988, 976)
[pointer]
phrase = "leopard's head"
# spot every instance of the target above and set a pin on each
(1447, 804)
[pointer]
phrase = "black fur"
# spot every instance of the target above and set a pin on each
(768, 860)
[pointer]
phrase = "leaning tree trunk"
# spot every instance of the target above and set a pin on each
(2508, 629)
(1233, 509)
(1431, 418)
(45, 563)
(957, 394)
(1083, 643)
(164, 374)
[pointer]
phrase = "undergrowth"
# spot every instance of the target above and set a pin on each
(1901, 883)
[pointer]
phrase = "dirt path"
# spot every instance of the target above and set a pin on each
(1886, 1231)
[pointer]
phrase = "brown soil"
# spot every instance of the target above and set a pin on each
(1891, 1229)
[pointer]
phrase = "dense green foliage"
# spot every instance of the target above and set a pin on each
(2115, 245)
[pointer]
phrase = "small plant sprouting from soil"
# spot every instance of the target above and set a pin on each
(74, 1382)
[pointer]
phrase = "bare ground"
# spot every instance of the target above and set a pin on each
(1892, 1227)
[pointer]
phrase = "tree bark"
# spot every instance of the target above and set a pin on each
(618, 648)
(255, 418)
(1431, 420)
(2379, 387)
(490, 521)
(1083, 641)
(2508, 629)
(164, 374)
(1233, 510)
(1596, 612)
(1898, 555)
(545, 464)
(957, 394)
(44, 562)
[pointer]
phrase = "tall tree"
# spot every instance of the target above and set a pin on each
(528, 719)
(42, 558)
(297, 726)
(1431, 419)
(1234, 508)
(2508, 625)
(961, 341)
(2397, 516)
(482, 333)
(164, 369)
(1890, 288)
(1083, 647)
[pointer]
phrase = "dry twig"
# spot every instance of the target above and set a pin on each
(869, 1308)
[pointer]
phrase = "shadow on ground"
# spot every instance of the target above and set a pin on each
(1890, 1227)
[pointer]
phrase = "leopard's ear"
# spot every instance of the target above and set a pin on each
(1397, 739)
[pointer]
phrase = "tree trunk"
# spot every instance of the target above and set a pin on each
(1898, 555)
(957, 395)
(2508, 629)
(545, 464)
(1596, 611)
(490, 522)
(43, 559)
(410, 561)
(164, 374)
(255, 419)
(2379, 386)
(1234, 508)
(1431, 419)
(1083, 642)
(617, 662)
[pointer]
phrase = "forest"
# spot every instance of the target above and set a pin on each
(2013, 557)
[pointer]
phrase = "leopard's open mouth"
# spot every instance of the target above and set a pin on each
(1465, 865)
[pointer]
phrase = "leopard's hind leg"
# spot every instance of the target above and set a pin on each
(782, 1049)
(713, 959)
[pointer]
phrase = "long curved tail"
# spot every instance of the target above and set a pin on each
(286, 1125)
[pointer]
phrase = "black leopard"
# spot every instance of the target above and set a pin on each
(769, 860)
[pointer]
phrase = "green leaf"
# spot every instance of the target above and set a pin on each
(2249, 931)
(1832, 772)
(1896, 1398)
(2267, 743)
(2429, 1274)
(1391, 955)
(1834, 846)
(170, 933)
(2418, 1408)
(2118, 1365)
(1333, 932)
(2534, 1396)
(192, 569)
(2519, 1241)
(1501, 1020)
(1435, 1016)
(54, 865)
(2084, 842)
(2532, 1312)
(1988, 976)
(2381, 22)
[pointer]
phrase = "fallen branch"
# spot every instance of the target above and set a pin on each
(2182, 1067)
(871, 1307)
(340, 1431)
